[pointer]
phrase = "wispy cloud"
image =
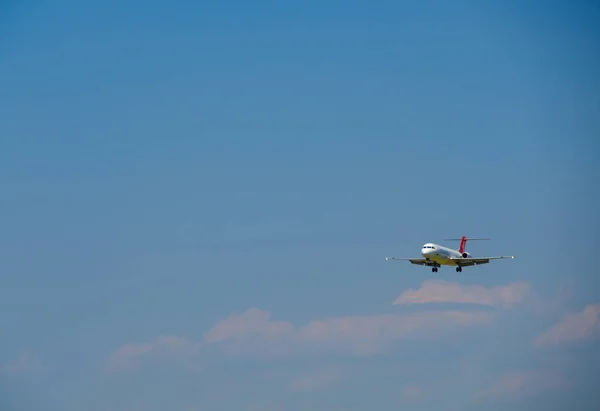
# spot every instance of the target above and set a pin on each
(519, 384)
(26, 362)
(255, 333)
(126, 357)
(318, 380)
(251, 323)
(411, 392)
(352, 335)
(439, 291)
(572, 328)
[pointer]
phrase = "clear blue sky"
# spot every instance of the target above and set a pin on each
(163, 167)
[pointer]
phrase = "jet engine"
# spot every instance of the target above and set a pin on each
(466, 255)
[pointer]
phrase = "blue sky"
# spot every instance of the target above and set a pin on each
(197, 201)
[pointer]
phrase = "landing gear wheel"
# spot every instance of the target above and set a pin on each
(458, 269)
(434, 269)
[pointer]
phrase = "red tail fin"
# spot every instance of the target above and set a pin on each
(463, 242)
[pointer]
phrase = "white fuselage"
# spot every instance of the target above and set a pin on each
(440, 254)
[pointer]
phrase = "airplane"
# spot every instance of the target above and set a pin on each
(435, 256)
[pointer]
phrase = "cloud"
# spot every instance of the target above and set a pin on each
(318, 380)
(411, 392)
(439, 291)
(572, 328)
(254, 333)
(351, 335)
(26, 362)
(521, 384)
(251, 323)
(126, 357)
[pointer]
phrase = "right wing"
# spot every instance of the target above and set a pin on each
(417, 261)
(464, 262)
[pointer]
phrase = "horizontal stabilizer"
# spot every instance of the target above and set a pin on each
(465, 238)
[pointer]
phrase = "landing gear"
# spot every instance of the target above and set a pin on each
(434, 270)
(459, 269)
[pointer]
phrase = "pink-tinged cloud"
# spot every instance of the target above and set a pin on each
(355, 335)
(318, 380)
(126, 357)
(411, 392)
(580, 326)
(26, 362)
(252, 323)
(520, 384)
(439, 291)
(255, 333)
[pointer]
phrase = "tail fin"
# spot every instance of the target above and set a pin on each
(463, 241)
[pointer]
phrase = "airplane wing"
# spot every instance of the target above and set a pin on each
(465, 262)
(417, 261)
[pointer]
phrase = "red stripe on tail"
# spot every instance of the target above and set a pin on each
(463, 242)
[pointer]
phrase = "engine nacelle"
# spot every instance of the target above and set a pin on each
(466, 255)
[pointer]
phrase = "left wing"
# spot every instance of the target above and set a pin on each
(465, 262)
(416, 261)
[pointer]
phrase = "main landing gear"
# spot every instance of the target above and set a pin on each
(459, 269)
(434, 270)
